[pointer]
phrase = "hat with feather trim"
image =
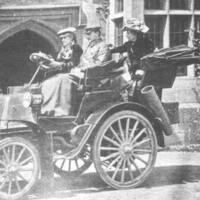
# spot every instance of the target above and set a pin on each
(136, 25)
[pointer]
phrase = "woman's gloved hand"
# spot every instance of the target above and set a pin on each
(55, 64)
(139, 74)
(110, 46)
(77, 71)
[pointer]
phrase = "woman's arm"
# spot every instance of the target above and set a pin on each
(149, 46)
(119, 49)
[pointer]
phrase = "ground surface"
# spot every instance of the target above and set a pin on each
(176, 176)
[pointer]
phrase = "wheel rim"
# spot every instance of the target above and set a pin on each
(72, 167)
(18, 169)
(126, 151)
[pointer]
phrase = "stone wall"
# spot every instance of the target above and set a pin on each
(186, 91)
(54, 18)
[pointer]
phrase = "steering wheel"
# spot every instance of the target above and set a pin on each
(40, 58)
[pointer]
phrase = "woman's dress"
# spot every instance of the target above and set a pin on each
(58, 98)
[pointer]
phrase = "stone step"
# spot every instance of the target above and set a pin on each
(182, 95)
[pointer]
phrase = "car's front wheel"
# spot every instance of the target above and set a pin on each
(19, 167)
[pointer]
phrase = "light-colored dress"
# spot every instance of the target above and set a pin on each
(95, 54)
(56, 90)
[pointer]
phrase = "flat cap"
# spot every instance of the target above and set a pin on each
(89, 30)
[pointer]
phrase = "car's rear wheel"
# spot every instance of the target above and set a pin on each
(70, 168)
(125, 149)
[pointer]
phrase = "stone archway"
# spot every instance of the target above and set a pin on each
(16, 44)
(37, 27)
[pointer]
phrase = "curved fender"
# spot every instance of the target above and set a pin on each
(109, 109)
(100, 115)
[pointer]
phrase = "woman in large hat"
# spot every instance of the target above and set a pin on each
(59, 84)
(138, 44)
(70, 53)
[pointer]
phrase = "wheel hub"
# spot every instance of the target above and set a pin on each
(126, 149)
(12, 168)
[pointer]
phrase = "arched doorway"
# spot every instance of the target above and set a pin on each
(15, 67)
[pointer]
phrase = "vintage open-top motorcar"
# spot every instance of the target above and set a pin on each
(119, 135)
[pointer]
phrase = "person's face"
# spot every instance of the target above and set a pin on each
(92, 36)
(131, 35)
(87, 35)
(66, 39)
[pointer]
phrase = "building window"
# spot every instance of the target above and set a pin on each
(197, 27)
(181, 71)
(197, 5)
(119, 6)
(156, 26)
(179, 29)
(154, 4)
(179, 4)
(118, 32)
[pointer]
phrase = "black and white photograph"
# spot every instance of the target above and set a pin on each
(99, 99)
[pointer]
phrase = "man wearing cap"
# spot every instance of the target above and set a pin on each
(138, 44)
(96, 52)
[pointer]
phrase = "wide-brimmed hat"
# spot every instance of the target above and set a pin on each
(64, 31)
(136, 25)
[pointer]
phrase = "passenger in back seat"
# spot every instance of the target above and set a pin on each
(138, 44)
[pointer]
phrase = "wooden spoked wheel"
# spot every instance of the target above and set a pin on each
(125, 149)
(70, 168)
(19, 167)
